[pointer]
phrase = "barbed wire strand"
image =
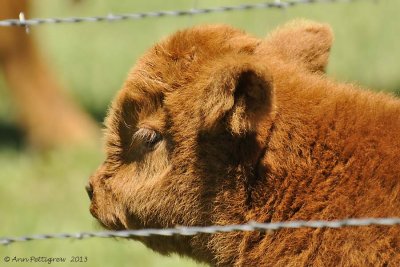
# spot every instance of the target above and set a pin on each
(23, 22)
(189, 231)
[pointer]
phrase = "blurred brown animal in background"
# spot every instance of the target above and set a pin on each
(48, 117)
(216, 127)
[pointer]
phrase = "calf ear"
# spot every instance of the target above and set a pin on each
(304, 41)
(240, 92)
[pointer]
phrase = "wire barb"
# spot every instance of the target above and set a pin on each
(189, 231)
(22, 21)
(281, 4)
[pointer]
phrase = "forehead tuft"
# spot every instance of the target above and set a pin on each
(208, 41)
(177, 60)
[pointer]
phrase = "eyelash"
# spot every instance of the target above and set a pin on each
(147, 136)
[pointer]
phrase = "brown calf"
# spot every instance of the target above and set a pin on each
(216, 127)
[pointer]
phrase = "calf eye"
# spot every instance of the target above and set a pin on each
(147, 137)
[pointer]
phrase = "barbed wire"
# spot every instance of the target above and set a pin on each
(23, 22)
(189, 231)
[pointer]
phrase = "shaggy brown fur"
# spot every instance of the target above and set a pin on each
(214, 126)
(46, 114)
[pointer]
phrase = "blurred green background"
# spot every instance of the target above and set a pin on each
(44, 193)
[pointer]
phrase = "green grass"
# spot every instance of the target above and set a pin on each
(44, 193)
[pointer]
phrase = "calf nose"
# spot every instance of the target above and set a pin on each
(89, 190)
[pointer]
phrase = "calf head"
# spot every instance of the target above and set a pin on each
(185, 135)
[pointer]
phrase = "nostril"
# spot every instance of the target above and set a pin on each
(89, 190)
